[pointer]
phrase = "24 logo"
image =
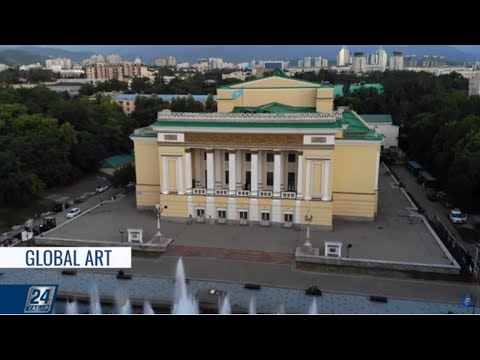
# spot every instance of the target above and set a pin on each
(40, 299)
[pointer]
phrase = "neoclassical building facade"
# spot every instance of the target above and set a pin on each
(275, 151)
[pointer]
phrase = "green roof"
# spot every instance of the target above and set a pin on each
(426, 176)
(117, 161)
(275, 73)
(356, 129)
(338, 89)
(377, 118)
(249, 124)
(274, 108)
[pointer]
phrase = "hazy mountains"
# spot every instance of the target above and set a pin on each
(25, 54)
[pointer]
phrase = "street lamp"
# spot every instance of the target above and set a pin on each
(308, 220)
(121, 233)
(348, 249)
(159, 210)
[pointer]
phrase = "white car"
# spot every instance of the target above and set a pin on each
(457, 217)
(73, 212)
(102, 188)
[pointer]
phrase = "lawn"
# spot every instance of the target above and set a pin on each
(17, 215)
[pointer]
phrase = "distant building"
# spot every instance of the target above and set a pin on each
(300, 63)
(31, 66)
(3, 67)
(343, 57)
(383, 124)
(325, 63)
(474, 85)
(116, 71)
(58, 64)
(396, 61)
(381, 59)
(359, 63)
(114, 163)
(114, 59)
(94, 59)
(317, 61)
(410, 61)
(166, 61)
(274, 65)
(138, 61)
(307, 62)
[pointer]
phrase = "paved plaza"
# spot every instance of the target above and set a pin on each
(397, 234)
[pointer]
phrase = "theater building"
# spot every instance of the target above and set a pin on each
(275, 150)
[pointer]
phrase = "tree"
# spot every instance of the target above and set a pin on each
(87, 90)
(141, 85)
(123, 176)
(210, 104)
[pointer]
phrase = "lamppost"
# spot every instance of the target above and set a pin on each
(348, 249)
(121, 233)
(475, 266)
(308, 220)
(159, 210)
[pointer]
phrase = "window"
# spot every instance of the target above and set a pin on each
(269, 157)
(288, 217)
(291, 158)
(205, 155)
(269, 178)
(222, 214)
(200, 212)
(248, 157)
(120, 102)
(265, 215)
(226, 176)
(226, 157)
(244, 214)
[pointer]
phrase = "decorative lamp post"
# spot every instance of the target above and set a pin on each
(308, 220)
(121, 233)
(159, 209)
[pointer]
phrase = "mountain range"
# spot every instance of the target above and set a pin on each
(26, 54)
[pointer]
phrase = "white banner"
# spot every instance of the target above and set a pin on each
(65, 257)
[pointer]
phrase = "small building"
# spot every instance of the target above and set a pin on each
(427, 180)
(114, 163)
(383, 123)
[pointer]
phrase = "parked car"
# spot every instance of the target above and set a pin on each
(60, 207)
(101, 188)
(73, 212)
(130, 185)
(457, 216)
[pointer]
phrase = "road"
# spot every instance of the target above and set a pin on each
(431, 207)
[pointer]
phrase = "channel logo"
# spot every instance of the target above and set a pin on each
(27, 299)
(40, 300)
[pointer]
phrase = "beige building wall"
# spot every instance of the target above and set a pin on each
(147, 172)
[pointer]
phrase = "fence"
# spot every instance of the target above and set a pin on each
(460, 254)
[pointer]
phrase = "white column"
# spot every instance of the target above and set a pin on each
(210, 174)
(308, 185)
(181, 188)
(198, 168)
(377, 170)
(260, 169)
(277, 171)
(238, 170)
(188, 172)
(164, 175)
(326, 181)
(299, 176)
(284, 171)
(218, 168)
(231, 174)
(254, 176)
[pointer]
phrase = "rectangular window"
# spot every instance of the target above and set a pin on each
(243, 214)
(248, 157)
(288, 217)
(265, 215)
(222, 214)
(269, 157)
(205, 155)
(269, 178)
(291, 158)
(200, 212)
(226, 157)
(226, 176)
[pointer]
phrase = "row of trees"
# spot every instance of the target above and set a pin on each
(439, 123)
(35, 75)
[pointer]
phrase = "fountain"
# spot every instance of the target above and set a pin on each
(225, 308)
(95, 307)
(71, 307)
(147, 309)
(281, 309)
(183, 302)
(126, 308)
(251, 306)
(313, 309)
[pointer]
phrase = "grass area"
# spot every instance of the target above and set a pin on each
(382, 272)
(17, 215)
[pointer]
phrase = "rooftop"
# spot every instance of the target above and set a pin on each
(165, 97)
(377, 118)
(273, 107)
(117, 161)
(338, 89)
